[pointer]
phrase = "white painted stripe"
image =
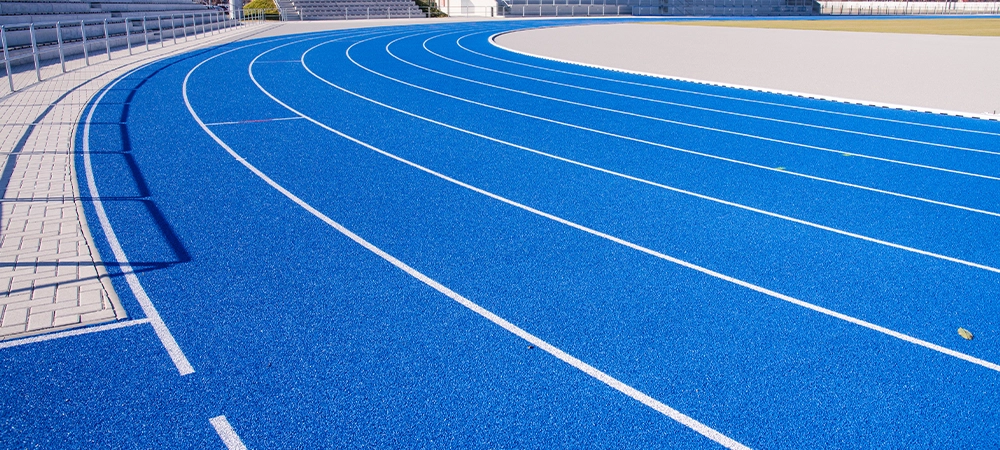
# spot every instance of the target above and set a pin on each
(696, 107)
(669, 121)
(241, 122)
(654, 253)
(534, 340)
(227, 433)
(71, 333)
(162, 332)
(637, 179)
(492, 40)
(664, 146)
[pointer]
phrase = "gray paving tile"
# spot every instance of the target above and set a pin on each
(49, 276)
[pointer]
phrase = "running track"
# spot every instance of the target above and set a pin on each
(409, 237)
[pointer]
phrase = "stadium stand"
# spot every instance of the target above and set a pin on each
(348, 9)
(528, 8)
(22, 12)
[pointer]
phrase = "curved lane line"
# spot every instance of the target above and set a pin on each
(483, 312)
(492, 41)
(166, 338)
(682, 150)
(680, 262)
(152, 315)
(653, 183)
(702, 108)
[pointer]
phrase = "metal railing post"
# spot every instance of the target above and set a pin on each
(34, 51)
(107, 39)
(145, 32)
(83, 34)
(6, 57)
(59, 39)
(173, 27)
(128, 35)
(159, 29)
(194, 25)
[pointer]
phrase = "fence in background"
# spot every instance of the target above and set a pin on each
(899, 8)
(470, 11)
(37, 51)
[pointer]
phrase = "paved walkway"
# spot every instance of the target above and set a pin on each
(50, 277)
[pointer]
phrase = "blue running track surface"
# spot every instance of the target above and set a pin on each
(410, 237)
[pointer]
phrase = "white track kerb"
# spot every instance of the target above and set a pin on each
(492, 40)
(532, 339)
(648, 251)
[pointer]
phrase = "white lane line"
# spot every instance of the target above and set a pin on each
(510, 327)
(642, 180)
(492, 41)
(162, 332)
(648, 251)
(153, 316)
(673, 148)
(227, 433)
(71, 333)
(702, 108)
(675, 122)
(241, 122)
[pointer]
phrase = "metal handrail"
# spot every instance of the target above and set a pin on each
(40, 40)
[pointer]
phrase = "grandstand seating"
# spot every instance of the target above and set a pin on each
(35, 11)
(348, 9)
(519, 8)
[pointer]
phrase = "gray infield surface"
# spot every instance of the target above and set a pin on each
(953, 73)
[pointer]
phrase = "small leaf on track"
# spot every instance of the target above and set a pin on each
(965, 334)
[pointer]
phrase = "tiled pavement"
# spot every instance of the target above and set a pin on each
(50, 276)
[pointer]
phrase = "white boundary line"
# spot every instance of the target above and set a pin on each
(227, 433)
(991, 118)
(683, 150)
(166, 338)
(654, 253)
(152, 315)
(458, 43)
(70, 333)
(534, 340)
(637, 179)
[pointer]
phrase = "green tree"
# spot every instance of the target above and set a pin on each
(267, 5)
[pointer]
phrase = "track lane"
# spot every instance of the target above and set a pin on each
(908, 232)
(382, 135)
